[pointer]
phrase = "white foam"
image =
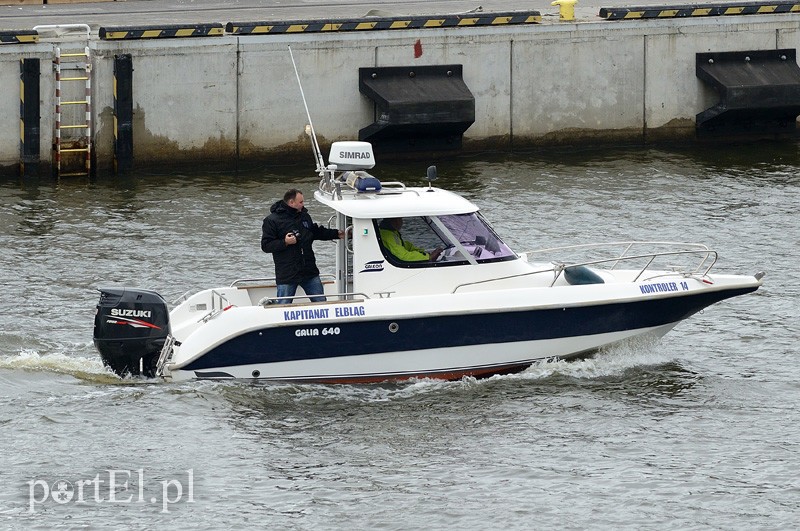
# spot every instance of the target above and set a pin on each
(612, 361)
(57, 362)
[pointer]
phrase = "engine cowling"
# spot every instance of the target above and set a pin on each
(130, 328)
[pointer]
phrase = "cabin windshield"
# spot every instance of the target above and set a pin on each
(463, 238)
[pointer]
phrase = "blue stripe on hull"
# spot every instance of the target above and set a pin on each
(280, 344)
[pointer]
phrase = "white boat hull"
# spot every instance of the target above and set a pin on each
(437, 337)
(442, 363)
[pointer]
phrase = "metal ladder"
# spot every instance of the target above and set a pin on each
(76, 61)
(81, 143)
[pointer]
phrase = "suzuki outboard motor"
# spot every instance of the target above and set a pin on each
(130, 328)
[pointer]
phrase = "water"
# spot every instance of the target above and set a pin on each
(700, 430)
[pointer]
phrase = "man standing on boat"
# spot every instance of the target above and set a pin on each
(288, 233)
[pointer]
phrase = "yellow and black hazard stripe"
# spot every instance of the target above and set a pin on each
(698, 10)
(384, 23)
(163, 31)
(19, 37)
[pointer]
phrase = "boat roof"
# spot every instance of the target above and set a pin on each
(396, 203)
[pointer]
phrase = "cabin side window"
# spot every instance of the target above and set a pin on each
(409, 241)
(423, 241)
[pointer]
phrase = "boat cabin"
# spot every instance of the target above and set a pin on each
(406, 240)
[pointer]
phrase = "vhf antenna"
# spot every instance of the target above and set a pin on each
(310, 127)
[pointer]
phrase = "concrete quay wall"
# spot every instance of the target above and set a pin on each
(232, 97)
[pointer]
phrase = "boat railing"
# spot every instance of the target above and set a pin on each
(341, 297)
(628, 245)
(261, 281)
(215, 296)
(393, 184)
(333, 186)
(183, 297)
(246, 283)
(216, 309)
(705, 254)
(254, 283)
(270, 281)
(709, 255)
(707, 259)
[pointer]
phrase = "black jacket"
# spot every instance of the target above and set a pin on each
(293, 263)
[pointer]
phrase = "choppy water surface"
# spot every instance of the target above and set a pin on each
(700, 430)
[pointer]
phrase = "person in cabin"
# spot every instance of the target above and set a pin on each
(401, 249)
(288, 234)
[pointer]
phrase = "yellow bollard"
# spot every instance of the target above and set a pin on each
(566, 9)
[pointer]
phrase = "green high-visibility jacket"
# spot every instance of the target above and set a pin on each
(405, 251)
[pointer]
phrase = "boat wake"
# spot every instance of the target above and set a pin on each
(89, 368)
(612, 362)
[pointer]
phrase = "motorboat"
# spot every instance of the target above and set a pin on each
(479, 309)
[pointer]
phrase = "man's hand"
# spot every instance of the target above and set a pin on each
(435, 254)
(290, 239)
